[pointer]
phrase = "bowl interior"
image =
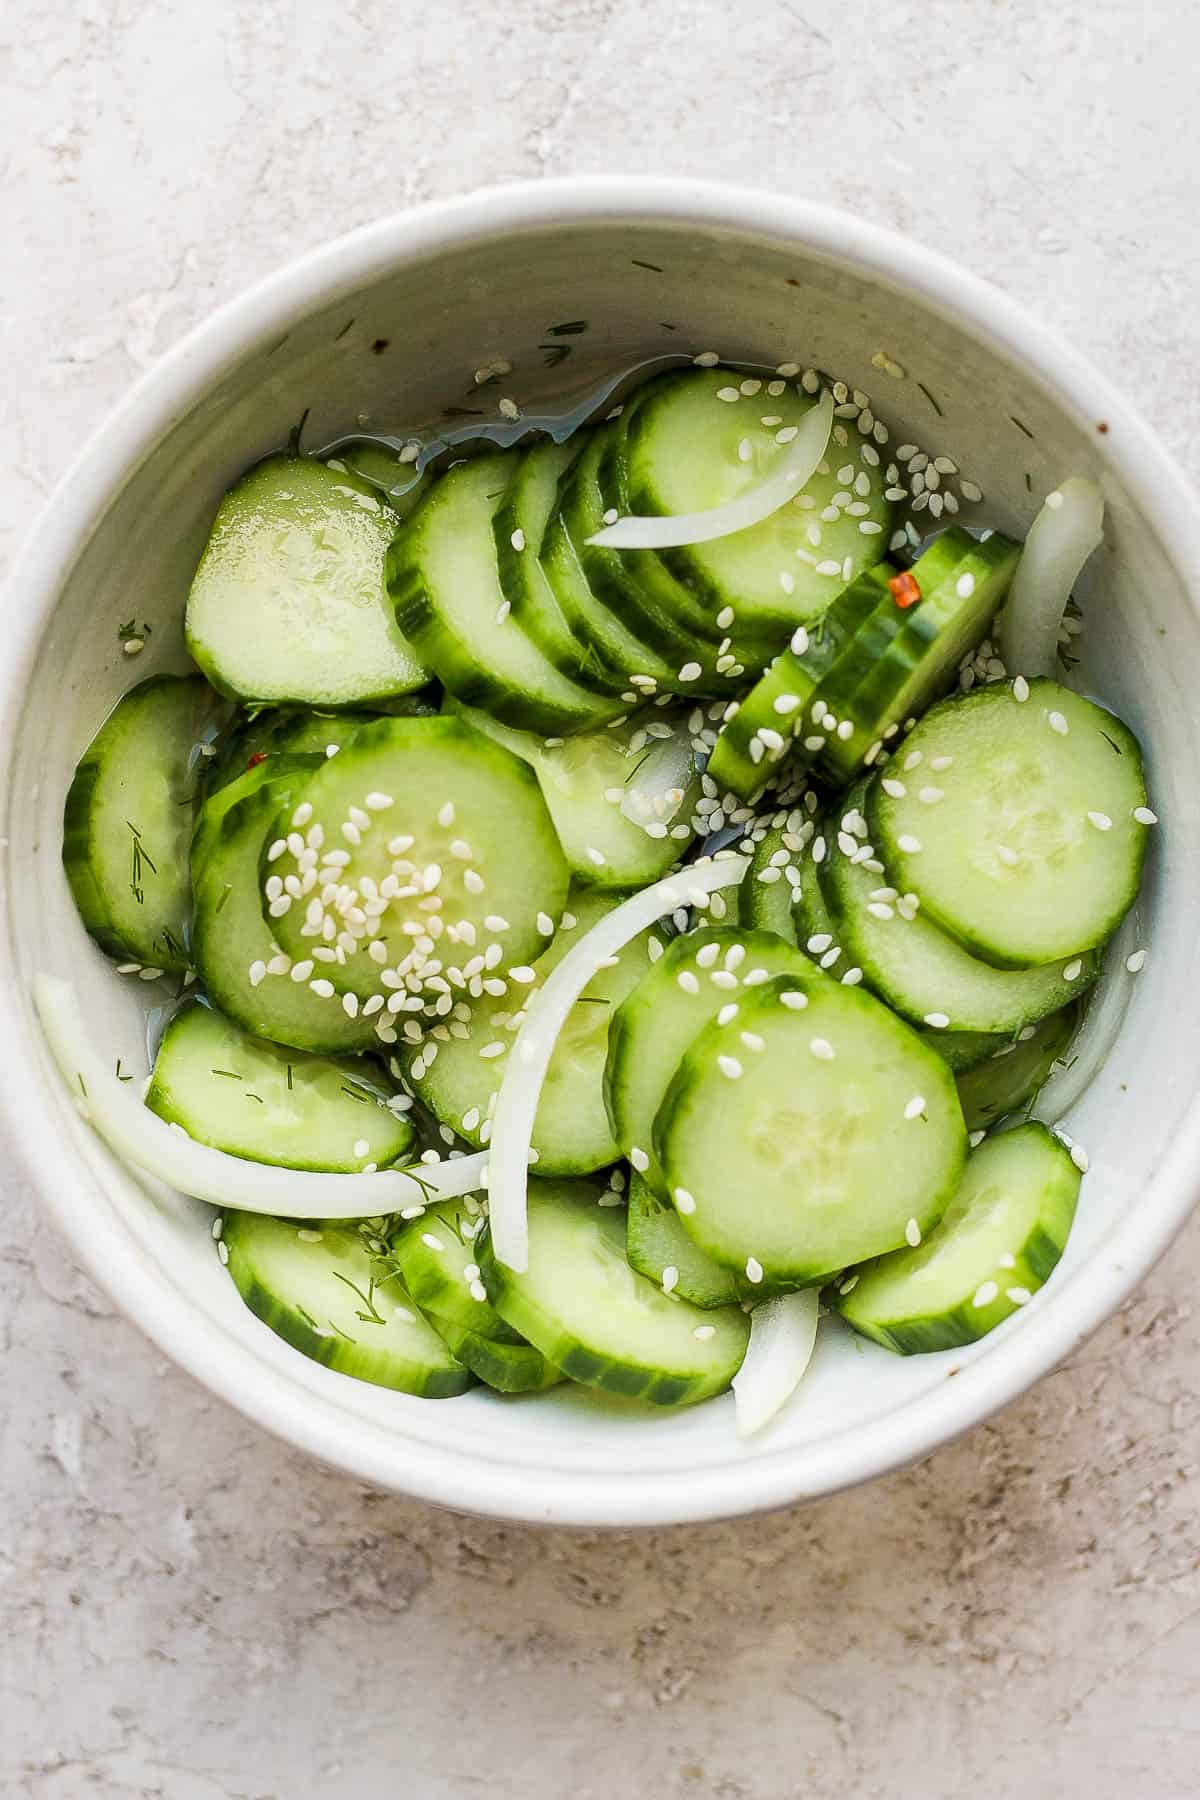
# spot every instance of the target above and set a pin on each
(392, 342)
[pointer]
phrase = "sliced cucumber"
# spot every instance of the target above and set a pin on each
(327, 1293)
(289, 731)
(519, 530)
(377, 468)
(688, 450)
(659, 1248)
(444, 581)
(621, 799)
(903, 659)
(612, 643)
(416, 838)
(584, 1308)
(770, 884)
(965, 1050)
(288, 601)
(458, 1077)
(998, 1241)
(436, 1258)
(615, 588)
(1014, 821)
(919, 969)
(776, 712)
(1011, 1074)
(808, 1133)
(128, 820)
(253, 1099)
(228, 794)
(700, 975)
(243, 970)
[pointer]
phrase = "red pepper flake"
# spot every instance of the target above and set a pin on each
(905, 591)
(260, 756)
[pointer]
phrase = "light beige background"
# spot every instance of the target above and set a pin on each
(188, 1610)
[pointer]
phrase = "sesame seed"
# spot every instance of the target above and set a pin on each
(909, 844)
(1080, 1158)
(985, 1294)
(912, 1233)
(1136, 962)
(728, 394)
(896, 789)
(754, 1270)
(1100, 820)
(938, 1020)
(704, 1332)
(685, 1203)
(728, 1013)
(964, 587)
(687, 981)
(1073, 970)
(929, 796)
(595, 856)
(752, 1040)
(852, 977)
(257, 973)
(1056, 722)
(915, 1107)
(639, 1159)
(822, 1049)
(691, 671)
(745, 450)
(277, 849)
(707, 359)
(974, 1139)
(670, 1278)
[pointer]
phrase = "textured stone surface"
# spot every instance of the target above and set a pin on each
(189, 1610)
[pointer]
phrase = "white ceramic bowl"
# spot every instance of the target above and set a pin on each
(450, 287)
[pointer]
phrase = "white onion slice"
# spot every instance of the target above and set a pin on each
(748, 508)
(1092, 1044)
(520, 1090)
(669, 768)
(1061, 538)
(783, 1333)
(115, 1112)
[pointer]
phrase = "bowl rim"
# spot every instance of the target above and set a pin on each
(33, 1108)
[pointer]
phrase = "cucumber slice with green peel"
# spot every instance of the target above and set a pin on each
(445, 584)
(379, 470)
(926, 975)
(290, 731)
(459, 1077)
(964, 1051)
(1010, 1075)
(1016, 821)
(693, 614)
(774, 719)
(421, 851)
(688, 450)
(329, 1295)
(128, 818)
(999, 1241)
(621, 799)
(509, 1368)
(436, 1258)
(692, 658)
(610, 641)
(288, 601)
(243, 970)
(227, 794)
(766, 894)
(903, 659)
(519, 530)
(253, 1099)
(592, 1317)
(812, 1131)
(659, 1248)
(700, 976)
